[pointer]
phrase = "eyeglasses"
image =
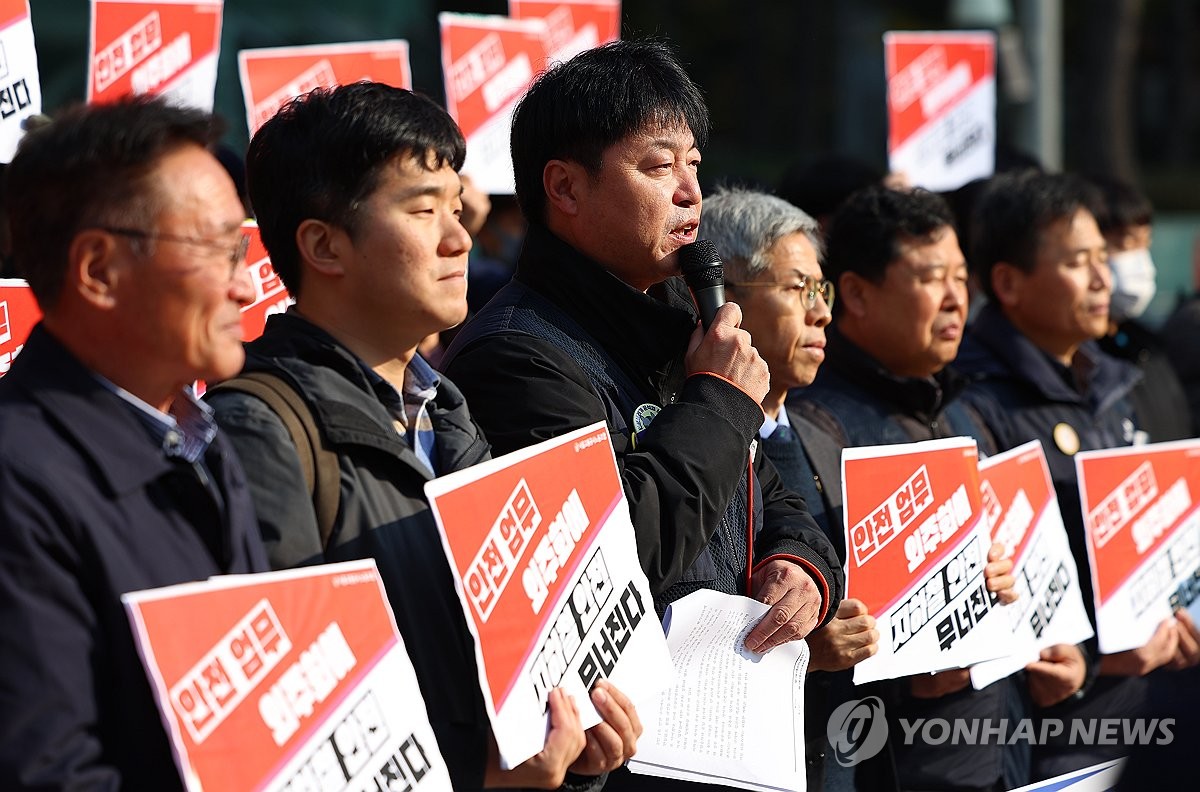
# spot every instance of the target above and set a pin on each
(236, 253)
(804, 287)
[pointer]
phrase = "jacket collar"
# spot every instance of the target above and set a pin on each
(346, 406)
(645, 332)
(919, 397)
(101, 424)
(994, 346)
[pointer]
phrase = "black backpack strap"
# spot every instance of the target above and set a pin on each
(322, 474)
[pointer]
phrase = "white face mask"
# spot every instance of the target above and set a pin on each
(1132, 283)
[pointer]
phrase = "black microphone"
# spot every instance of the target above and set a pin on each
(702, 270)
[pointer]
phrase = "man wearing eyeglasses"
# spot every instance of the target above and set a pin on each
(902, 310)
(113, 478)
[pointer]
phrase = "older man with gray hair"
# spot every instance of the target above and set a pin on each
(772, 253)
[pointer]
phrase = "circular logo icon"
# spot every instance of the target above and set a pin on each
(1066, 438)
(857, 730)
(643, 414)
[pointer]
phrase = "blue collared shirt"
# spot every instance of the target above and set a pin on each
(409, 408)
(184, 433)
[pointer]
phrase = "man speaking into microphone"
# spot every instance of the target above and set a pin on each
(596, 326)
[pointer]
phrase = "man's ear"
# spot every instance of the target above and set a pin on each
(94, 268)
(853, 294)
(563, 182)
(1007, 283)
(324, 247)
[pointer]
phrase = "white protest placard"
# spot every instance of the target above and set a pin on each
(286, 680)
(487, 63)
(1021, 511)
(941, 104)
(916, 548)
(167, 47)
(572, 26)
(20, 86)
(273, 76)
(545, 564)
(1142, 525)
(733, 717)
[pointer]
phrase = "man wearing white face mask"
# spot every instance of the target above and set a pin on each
(1124, 216)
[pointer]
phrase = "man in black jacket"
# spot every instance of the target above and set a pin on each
(595, 328)
(357, 195)
(113, 477)
(901, 280)
(1039, 375)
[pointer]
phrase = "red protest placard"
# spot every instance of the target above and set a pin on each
(272, 681)
(19, 312)
(154, 47)
(941, 102)
(1142, 527)
(1021, 511)
(270, 295)
(487, 63)
(547, 572)
(572, 26)
(916, 549)
(273, 76)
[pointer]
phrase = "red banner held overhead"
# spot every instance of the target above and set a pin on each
(273, 76)
(487, 63)
(572, 26)
(154, 47)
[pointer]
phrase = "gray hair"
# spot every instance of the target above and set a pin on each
(744, 224)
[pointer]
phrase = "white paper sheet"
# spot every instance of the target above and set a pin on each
(733, 717)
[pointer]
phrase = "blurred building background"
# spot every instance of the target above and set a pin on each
(1107, 87)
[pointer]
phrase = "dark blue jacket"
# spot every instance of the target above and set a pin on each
(382, 512)
(1024, 394)
(90, 508)
(860, 403)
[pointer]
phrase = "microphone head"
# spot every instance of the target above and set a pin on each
(700, 265)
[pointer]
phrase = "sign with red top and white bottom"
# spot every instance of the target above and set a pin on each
(1142, 524)
(20, 86)
(286, 680)
(941, 105)
(546, 567)
(572, 26)
(1021, 510)
(273, 76)
(19, 312)
(487, 63)
(916, 548)
(167, 47)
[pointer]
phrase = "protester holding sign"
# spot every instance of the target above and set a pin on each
(357, 195)
(1040, 376)
(113, 478)
(594, 327)
(901, 285)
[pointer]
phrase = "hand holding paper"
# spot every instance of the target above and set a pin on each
(611, 742)
(547, 769)
(795, 603)
(849, 638)
(998, 574)
(1156, 652)
(943, 683)
(1059, 671)
(1188, 653)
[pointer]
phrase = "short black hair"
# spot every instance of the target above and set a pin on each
(323, 152)
(869, 229)
(1121, 206)
(1014, 210)
(577, 109)
(821, 186)
(87, 167)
